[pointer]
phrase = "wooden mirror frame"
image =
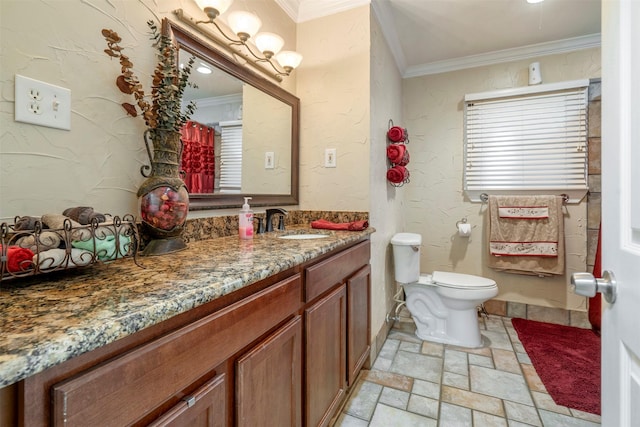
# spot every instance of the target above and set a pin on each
(198, 47)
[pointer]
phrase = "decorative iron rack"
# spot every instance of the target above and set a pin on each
(27, 253)
(397, 136)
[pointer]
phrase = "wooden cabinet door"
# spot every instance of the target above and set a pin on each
(204, 408)
(269, 380)
(325, 357)
(358, 329)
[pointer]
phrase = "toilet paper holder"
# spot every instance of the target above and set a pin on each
(463, 227)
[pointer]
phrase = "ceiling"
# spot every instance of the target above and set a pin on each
(433, 36)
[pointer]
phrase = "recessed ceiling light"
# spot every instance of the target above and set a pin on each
(203, 69)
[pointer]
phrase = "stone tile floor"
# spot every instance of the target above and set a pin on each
(418, 383)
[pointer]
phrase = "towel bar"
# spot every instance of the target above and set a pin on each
(484, 198)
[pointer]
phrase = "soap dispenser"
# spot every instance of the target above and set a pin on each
(245, 228)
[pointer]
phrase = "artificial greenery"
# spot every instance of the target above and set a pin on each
(163, 109)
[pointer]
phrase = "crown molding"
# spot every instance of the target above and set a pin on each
(307, 10)
(290, 7)
(506, 55)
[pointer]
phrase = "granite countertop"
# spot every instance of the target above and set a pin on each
(55, 317)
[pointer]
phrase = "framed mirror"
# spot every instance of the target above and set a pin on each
(243, 139)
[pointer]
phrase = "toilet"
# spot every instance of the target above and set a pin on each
(443, 305)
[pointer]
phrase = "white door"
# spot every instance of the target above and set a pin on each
(621, 211)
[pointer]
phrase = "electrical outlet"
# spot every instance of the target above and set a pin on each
(330, 158)
(41, 103)
(269, 160)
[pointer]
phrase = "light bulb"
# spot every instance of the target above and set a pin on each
(244, 24)
(218, 6)
(269, 43)
(289, 59)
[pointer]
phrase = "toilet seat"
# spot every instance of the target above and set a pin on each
(457, 280)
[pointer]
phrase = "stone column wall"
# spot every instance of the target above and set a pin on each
(595, 190)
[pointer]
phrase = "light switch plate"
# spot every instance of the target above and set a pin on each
(330, 158)
(41, 103)
(269, 160)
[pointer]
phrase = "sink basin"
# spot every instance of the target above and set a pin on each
(302, 236)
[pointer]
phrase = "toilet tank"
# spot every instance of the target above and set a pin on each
(406, 256)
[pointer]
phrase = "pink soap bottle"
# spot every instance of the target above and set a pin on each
(245, 229)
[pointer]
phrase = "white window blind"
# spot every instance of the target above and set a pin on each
(528, 143)
(230, 157)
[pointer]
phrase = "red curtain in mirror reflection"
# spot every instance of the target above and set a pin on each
(198, 161)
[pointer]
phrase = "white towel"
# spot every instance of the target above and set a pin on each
(44, 241)
(526, 234)
(53, 258)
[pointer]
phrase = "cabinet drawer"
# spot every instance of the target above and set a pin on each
(205, 408)
(123, 390)
(332, 271)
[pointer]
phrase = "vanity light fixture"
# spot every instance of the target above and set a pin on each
(534, 1)
(245, 26)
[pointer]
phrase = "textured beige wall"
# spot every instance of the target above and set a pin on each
(349, 88)
(333, 86)
(434, 198)
(97, 163)
(385, 212)
(266, 127)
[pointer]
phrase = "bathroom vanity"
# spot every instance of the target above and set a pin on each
(227, 332)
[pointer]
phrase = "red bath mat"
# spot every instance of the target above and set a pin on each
(567, 360)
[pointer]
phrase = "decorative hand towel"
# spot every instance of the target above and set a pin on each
(56, 222)
(526, 234)
(398, 154)
(26, 223)
(84, 215)
(78, 231)
(105, 249)
(351, 226)
(18, 259)
(58, 257)
(523, 212)
(397, 134)
(397, 174)
(45, 241)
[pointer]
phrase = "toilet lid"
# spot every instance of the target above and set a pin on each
(406, 239)
(457, 280)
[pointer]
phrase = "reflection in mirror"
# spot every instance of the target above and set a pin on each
(242, 139)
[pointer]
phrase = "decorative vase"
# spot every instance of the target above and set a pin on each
(163, 196)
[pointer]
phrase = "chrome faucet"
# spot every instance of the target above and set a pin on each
(275, 211)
